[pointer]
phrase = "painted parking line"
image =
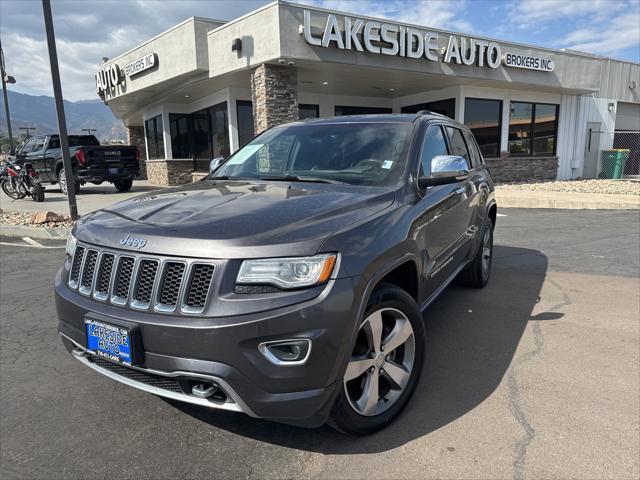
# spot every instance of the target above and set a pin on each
(501, 215)
(31, 241)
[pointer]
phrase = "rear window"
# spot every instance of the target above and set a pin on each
(75, 141)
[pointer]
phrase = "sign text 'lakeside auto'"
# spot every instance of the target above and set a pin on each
(404, 41)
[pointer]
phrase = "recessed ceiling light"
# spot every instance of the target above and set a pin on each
(392, 89)
(186, 96)
(325, 83)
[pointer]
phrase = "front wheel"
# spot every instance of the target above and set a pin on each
(385, 364)
(123, 185)
(9, 190)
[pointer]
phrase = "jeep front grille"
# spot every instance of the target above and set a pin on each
(144, 283)
(86, 278)
(76, 264)
(155, 283)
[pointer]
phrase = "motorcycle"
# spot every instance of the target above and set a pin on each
(18, 182)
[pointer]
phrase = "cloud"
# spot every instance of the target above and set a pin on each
(86, 31)
(527, 13)
(620, 33)
(443, 14)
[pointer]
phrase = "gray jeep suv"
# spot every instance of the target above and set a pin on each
(290, 283)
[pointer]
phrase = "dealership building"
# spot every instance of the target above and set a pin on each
(205, 87)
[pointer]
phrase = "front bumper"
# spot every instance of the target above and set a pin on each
(224, 352)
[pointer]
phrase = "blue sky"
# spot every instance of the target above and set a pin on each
(88, 30)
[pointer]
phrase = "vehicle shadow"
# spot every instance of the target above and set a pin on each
(472, 336)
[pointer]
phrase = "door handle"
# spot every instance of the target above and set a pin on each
(460, 191)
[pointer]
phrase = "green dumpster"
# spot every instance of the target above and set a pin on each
(613, 162)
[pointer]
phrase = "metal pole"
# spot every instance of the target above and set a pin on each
(6, 98)
(62, 123)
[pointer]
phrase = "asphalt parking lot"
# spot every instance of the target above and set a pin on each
(90, 198)
(536, 376)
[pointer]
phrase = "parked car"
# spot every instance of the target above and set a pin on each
(290, 283)
(91, 162)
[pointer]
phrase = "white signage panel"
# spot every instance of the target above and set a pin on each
(140, 65)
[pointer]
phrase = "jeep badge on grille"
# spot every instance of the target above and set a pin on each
(130, 241)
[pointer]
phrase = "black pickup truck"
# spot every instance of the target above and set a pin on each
(91, 162)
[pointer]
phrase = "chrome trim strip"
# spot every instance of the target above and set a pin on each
(236, 406)
(264, 350)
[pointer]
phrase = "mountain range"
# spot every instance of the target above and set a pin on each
(40, 112)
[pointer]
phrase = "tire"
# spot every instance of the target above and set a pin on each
(38, 192)
(477, 273)
(123, 185)
(10, 192)
(62, 181)
(400, 319)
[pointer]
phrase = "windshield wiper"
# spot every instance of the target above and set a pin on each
(296, 178)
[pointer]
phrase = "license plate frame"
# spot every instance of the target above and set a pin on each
(111, 342)
(113, 170)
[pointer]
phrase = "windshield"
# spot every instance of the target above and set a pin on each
(354, 153)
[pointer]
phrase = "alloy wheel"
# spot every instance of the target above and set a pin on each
(486, 252)
(381, 363)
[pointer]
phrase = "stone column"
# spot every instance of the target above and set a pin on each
(274, 92)
(135, 137)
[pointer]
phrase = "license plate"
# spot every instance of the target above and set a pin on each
(113, 171)
(109, 341)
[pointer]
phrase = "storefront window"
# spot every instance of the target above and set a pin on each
(346, 110)
(202, 135)
(180, 126)
(153, 134)
(306, 110)
(533, 128)
(220, 130)
(483, 117)
(443, 107)
(245, 121)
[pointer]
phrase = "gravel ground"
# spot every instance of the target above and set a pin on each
(24, 219)
(620, 187)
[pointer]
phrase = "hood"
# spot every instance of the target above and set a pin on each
(234, 219)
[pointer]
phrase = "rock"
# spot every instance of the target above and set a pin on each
(46, 217)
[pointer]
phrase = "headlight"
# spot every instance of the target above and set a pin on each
(71, 245)
(285, 273)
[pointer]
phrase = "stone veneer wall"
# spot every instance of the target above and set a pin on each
(520, 169)
(274, 92)
(135, 137)
(169, 172)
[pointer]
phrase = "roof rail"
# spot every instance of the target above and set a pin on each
(424, 112)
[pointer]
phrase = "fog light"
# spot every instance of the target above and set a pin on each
(286, 352)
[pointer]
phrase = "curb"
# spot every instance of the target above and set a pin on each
(556, 201)
(34, 232)
(564, 204)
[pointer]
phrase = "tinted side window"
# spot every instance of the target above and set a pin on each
(458, 146)
(39, 144)
(54, 142)
(476, 157)
(434, 144)
(28, 147)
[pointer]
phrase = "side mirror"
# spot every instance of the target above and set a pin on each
(445, 169)
(214, 164)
